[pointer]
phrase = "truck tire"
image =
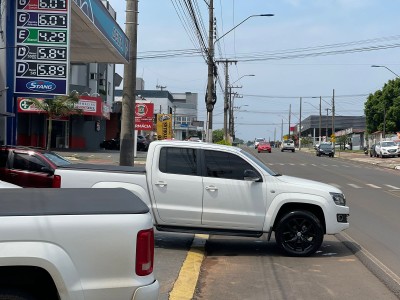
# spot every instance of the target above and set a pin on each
(299, 233)
(11, 294)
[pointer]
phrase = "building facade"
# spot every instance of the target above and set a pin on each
(182, 107)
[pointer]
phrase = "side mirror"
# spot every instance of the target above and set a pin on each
(251, 175)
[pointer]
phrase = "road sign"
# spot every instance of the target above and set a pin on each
(42, 46)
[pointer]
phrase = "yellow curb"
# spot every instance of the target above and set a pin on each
(185, 284)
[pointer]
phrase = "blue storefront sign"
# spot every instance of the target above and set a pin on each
(100, 17)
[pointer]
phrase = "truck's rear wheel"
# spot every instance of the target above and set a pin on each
(299, 233)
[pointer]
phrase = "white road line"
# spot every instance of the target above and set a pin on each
(392, 187)
(354, 185)
(373, 185)
(314, 165)
(292, 164)
(302, 164)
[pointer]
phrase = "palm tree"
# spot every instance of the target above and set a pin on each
(58, 107)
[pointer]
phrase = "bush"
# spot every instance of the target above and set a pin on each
(223, 142)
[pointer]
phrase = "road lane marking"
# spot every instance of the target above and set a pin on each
(392, 187)
(373, 185)
(354, 185)
(186, 282)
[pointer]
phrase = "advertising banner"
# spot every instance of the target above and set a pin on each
(164, 126)
(90, 106)
(144, 116)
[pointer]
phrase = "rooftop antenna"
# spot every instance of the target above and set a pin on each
(160, 87)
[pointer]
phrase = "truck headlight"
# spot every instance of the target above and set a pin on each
(339, 199)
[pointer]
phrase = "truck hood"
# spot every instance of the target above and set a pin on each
(308, 185)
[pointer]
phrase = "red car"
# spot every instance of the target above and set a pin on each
(264, 147)
(28, 166)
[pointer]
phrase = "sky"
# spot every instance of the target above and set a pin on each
(308, 49)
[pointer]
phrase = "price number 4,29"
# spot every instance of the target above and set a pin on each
(48, 36)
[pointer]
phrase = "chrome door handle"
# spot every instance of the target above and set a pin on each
(161, 183)
(211, 188)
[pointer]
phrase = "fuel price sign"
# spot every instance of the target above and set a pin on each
(42, 46)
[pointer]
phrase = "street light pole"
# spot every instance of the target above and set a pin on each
(377, 66)
(384, 104)
(261, 15)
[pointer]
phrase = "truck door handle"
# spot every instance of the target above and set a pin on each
(161, 183)
(211, 188)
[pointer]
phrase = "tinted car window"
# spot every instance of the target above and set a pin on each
(178, 161)
(56, 159)
(225, 165)
(24, 161)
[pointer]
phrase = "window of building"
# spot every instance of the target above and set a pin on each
(181, 161)
(182, 120)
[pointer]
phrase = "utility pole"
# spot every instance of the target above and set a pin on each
(290, 112)
(282, 132)
(210, 100)
(320, 119)
(226, 104)
(300, 126)
(333, 113)
(127, 136)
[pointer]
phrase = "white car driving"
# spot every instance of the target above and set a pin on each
(287, 145)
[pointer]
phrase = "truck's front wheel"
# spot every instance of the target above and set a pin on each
(299, 233)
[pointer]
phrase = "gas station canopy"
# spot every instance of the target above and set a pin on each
(95, 35)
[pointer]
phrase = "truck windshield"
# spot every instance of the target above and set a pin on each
(258, 163)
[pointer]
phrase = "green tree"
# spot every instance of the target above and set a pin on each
(386, 100)
(217, 135)
(56, 108)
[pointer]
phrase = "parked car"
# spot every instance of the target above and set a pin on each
(257, 142)
(387, 149)
(372, 152)
(325, 149)
(29, 166)
(397, 142)
(287, 145)
(264, 147)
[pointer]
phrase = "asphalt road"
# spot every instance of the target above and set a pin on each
(361, 263)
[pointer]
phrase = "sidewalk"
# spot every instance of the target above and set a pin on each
(102, 157)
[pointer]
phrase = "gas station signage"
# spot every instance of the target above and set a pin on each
(42, 46)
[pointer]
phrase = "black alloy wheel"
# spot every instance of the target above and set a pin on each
(299, 233)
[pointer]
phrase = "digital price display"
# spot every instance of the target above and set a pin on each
(30, 52)
(51, 36)
(41, 36)
(58, 5)
(34, 19)
(42, 46)
(41, 70)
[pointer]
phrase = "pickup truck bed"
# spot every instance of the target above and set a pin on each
(75, 244)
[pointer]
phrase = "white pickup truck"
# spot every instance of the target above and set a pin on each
(85, 244)
(208, 188)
